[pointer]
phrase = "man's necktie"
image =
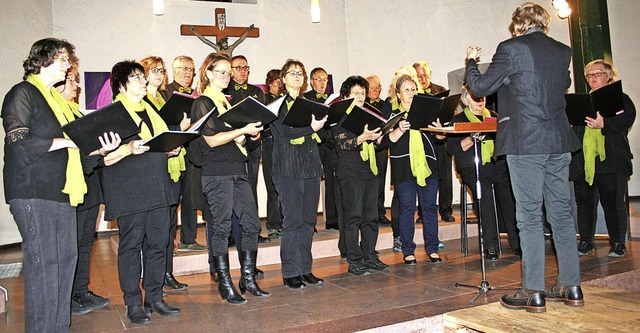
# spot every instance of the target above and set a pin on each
(241, 86)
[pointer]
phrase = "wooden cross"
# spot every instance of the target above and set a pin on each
(220, 31)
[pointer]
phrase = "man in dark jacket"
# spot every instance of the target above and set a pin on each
(530, 72)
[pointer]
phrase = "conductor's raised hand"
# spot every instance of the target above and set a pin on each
(473, 52)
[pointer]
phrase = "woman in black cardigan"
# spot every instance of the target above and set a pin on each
(296, 175)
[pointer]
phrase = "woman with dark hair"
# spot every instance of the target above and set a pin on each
(273, 86)
(225, 181)
(137, 192)
(414, 171)
(296, 175)
(155, 71)
(43, 183)
(357, 172)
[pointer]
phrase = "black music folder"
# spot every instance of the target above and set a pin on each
(170, 140)
(301, 112)
(173, 110)
(426, 109)
(248, 110)
(442, 93)
(608, 100)
(337, 110)
(84, 131)
(368, 115)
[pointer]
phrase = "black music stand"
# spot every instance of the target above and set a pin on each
(484, 287)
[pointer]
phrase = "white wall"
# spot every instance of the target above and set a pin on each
(354, 37)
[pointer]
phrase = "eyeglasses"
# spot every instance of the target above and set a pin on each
(185, 68)
(294, 73)
(320, 80)
(409, 90)
(358, 93)
(221, 72)
(241, 68)
(138, 77)
(157, 70)
(62, 58)
(595, 74)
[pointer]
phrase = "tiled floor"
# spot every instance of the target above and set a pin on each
(344, 303)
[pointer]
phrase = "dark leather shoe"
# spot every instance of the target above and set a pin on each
(570, 295)
(529, 300)
(332, 226)
(518, 252)
(311, 279)
(136, 314)
(383, 220)
(294, 282)
(492, 254)
(162, 308)
(170, 282)
(263, 240)
(448, 218)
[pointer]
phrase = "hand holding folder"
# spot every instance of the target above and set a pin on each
(247, 111)
(425, 109)
(170, 140)
(302, 111)
(174, 109)
(607, 100)
(368, 115)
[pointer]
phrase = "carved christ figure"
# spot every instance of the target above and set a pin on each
(223, 44)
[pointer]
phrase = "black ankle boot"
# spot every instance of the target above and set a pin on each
(170, 282)
(225, 286)
(248, 278)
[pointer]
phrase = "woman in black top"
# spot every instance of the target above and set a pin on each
(43, 184)
(225, 180)
(414, 172)
(296, 174)
(494, 177)
(137, 192)
(357, 171)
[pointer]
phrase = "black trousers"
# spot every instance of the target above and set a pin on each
(147, 232)
(228, 195)
(87, 219)
(173, 213)
(188, 215)
(382, 161)
(360, 217)
(611, 188)
(274, 212)
(445, 186)
(299, 208)
(331, 188)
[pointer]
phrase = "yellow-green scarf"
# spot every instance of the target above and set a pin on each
(157, 102)
(222, 105)
(300, 140)
(174, 165)
(592, 146)
(487, 145)
(74, 185)
(417, 157)
(368, 152)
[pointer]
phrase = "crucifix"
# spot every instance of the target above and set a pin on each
(221, 33)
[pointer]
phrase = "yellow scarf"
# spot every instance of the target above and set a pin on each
(419, 166)
(592, 146)
(487, 145)
(368, 152)
(74, 185)
(300, 140)
(174, 165)
(222, 105)
(157, 102)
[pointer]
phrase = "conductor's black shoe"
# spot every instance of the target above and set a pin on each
(136, 314)
(263, 240)
(524, 299)
(570, 295)
(294, 282)
(518, 252)
(162, 308)
(492, 254)
(311, 279)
